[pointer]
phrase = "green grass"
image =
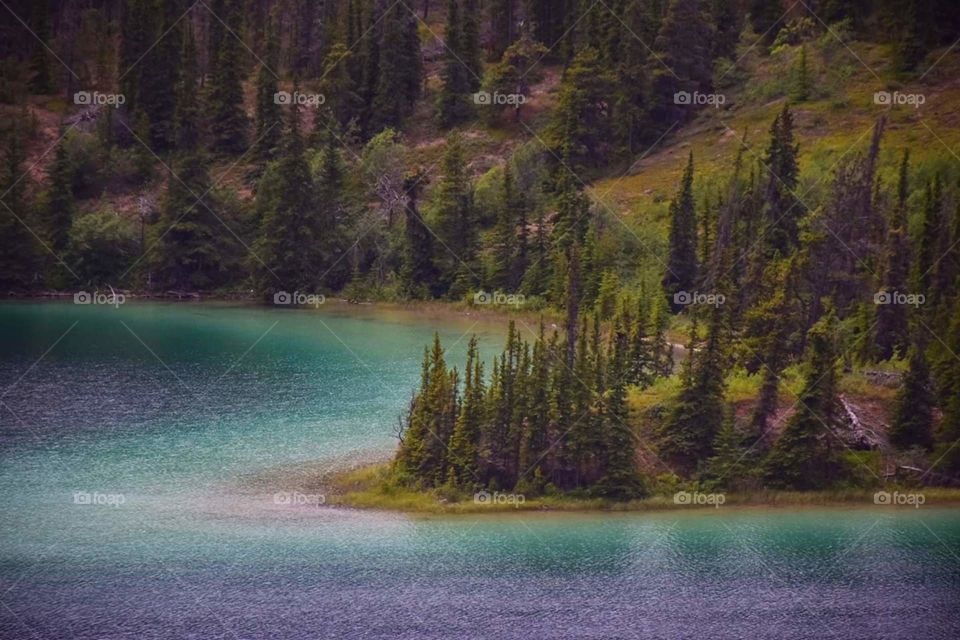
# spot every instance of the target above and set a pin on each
(375, 487)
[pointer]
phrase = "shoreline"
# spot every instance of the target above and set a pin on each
(366, 488)
(423, 310)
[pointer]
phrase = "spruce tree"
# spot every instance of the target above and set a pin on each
(291, 231)
(891, 319)
(913, 416)
(159, 75)
(419, 272)
(60, 200)
(454, 104)
(398, 83)
(454, 216)
(465, 440)
(40, 82)
(782, 211)
(620, 478)
(268, 128)
(804, 456)
(228, 120)
(469, 51)
(189, 246)
(681, 273)
(18, 252)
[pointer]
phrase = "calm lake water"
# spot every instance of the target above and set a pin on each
(181, 423)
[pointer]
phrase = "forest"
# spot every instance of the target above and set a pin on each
(731, 229)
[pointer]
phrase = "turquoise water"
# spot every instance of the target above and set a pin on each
(191, 418)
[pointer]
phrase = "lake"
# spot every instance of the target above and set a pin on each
(152, 461)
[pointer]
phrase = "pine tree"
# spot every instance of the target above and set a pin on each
(268, 128)
(688, 434)
(537, 276)
(189, 252)
(932, 233)
(454, 103)
(419, 273)
(804, 457)
(641, 362)
(289, 252)
(683, 47)
(331, 222)
(581, 126)
(729, 464)
(228, 120)
(620, 478)
(465, 440)
(18, 253)
(891, 319)
(135, 39)
(158, 75)
(40, 81)
(782, 211)
(681, 274)
(913, 416)
(398, 84)
(469, 51)
(454, 214)
(60, 200)
(800, 80)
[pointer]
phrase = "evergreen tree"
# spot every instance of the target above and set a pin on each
(620, 479)
(189, 252)
(40, 81)
(454, 214)
(398, 85)
(932, 233)
(469, 44)
(913, 416)
(465, 440)
(800, 80)
(454, 104)
(228, 120)
(60, 201)
(581, 126)
(291, 231)
(419, 273)
(729, 464)
(158, 77)
(782, 211)
(18, 253)
(891, 322)
(688, 434)
(804, 457)
(684, 62)
(268, 120)
(681, 274)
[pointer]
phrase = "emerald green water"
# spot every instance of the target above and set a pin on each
(197, 415)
